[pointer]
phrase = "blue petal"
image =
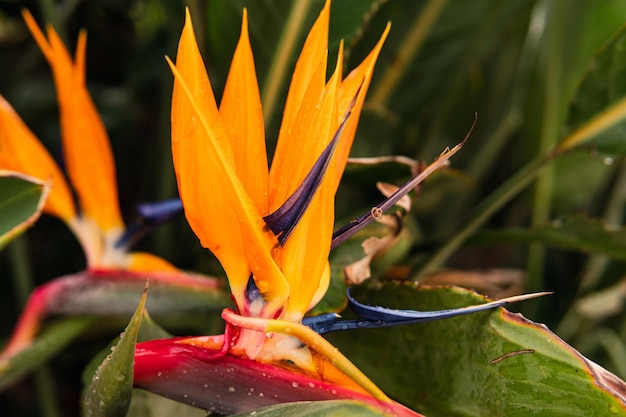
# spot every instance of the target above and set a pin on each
(252, 291)
(150, 215)
(373, 317)
(322, 323)
(160, 211)
(393, 316)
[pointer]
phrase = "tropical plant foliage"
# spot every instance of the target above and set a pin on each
(534, 201)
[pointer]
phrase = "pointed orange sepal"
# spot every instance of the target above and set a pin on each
(217, 206)
(242, 116)
(357, 81)
(305, 92)
(305, 254)
(21, 151)
(86, 146)
(313, 55)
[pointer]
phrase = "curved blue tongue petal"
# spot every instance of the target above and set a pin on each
(150, 215)
(160, 211)
(395, 317)
(376, 317)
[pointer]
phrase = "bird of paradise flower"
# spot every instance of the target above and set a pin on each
(272, 231)
(94, 216)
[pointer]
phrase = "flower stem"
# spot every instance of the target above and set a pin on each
(47, 396)
(549, 134)
(21, 269)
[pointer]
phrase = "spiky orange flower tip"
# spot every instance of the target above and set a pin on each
(95, 217)
(232, 201)
(270, 229)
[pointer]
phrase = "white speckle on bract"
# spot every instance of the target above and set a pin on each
(295, 384)
(159, 373)
(231, 389)
(312, 385)
(261, 394)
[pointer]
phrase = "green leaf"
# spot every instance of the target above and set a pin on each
(147, 404)
(485, 364)
(21, 203)
(110, 391)
(597, 113)
(148, 330)
(315, 409)
(54, 339)
(577, 232)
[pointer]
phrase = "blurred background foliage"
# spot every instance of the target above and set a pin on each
(533, 71)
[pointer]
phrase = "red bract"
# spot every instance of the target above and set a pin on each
(187, 370)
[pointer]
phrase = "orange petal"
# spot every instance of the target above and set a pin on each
(216, 204)
(145, 262)
(242, 116)
(86, 146)
(305, 90)
(21, 151)
(359, 77)
(305, 254)
(294, 155)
